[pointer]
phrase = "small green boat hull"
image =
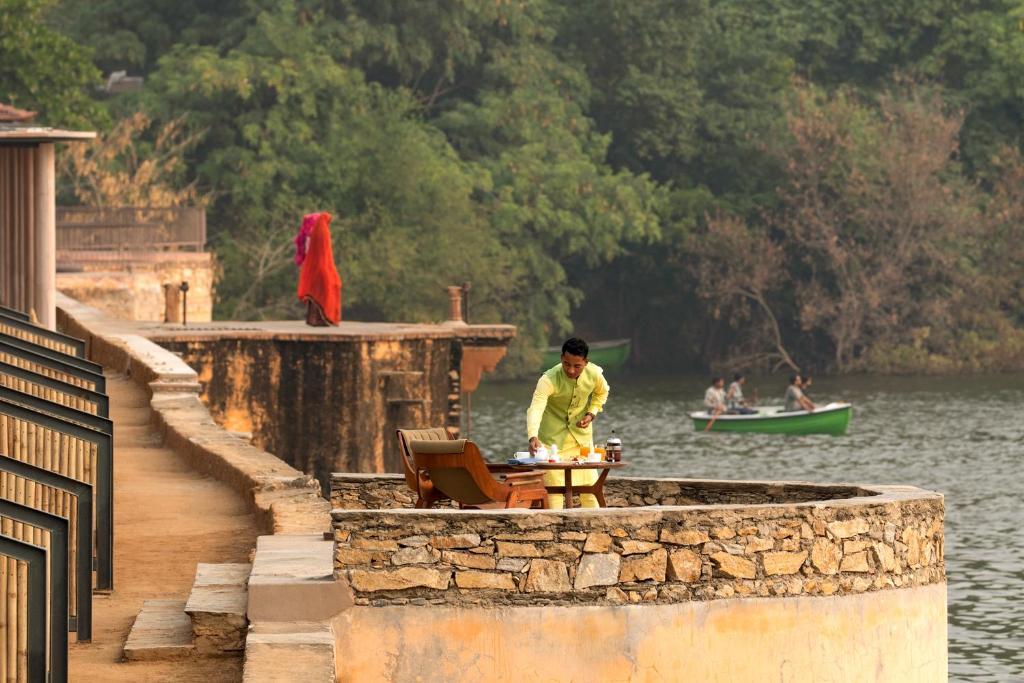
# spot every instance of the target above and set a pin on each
(832, 421)
(610, 355)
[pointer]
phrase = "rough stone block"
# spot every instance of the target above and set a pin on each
(756, 544)
(548, 576)
(399, 579)
(475, 579)
(684, 565)
(782, 563)
(734, 566)
(683, 536)
(858, 562)
(561, 551)
(421, 555)
(825, 556)
(470, 560)
(631, 547)
(848, 528)
(506, 549)
(598, 542)
(646, 567)
(598, 570)
(455, 541)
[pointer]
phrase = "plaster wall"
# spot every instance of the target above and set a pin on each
(897, 635)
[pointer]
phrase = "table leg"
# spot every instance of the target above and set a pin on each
(568, 488)
(598, 487)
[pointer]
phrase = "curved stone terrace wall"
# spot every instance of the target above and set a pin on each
(689, 541)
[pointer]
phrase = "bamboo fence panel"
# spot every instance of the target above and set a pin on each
(48, 393)
(20, 362)
(49, 343)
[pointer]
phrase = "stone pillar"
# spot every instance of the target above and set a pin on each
(45, 276)
(455, 306)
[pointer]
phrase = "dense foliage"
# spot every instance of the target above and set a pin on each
(792, 182)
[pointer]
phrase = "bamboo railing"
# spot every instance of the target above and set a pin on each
(56, 497)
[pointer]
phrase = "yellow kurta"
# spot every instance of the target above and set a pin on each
(558, 404)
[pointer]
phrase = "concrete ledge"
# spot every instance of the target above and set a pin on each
(284, 499)
(292, 579)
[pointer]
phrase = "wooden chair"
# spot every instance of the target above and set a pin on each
(457, 470)
(419, 483)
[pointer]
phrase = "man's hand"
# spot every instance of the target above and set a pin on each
(534, 445)
(587, 419)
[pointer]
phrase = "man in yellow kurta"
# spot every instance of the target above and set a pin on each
(565, 402)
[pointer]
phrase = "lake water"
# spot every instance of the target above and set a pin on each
(962, 436)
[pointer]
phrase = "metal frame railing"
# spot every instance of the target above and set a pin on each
(97, 422)
(36, 559)
(14, 313)
(81, 624)
(48, 338)
(57, 529)
(103, 478)
(100, 401)
(27, 354)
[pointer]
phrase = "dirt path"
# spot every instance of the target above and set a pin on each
(167, 518)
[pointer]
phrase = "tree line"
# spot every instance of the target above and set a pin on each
(790, 183)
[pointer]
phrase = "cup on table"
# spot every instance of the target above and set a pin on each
(592, 455)
(600, 453)
(584, 453)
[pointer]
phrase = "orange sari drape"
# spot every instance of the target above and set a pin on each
(319, 280)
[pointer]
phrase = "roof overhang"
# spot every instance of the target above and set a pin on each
(33, 135)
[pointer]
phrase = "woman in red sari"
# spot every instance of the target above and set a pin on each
(319, 282)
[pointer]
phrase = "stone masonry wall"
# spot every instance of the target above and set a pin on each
(373, 492)
(888, 540)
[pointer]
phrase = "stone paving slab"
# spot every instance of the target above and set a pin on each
(162, 630)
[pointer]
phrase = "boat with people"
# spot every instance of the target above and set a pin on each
(832, 418)
(611, 354)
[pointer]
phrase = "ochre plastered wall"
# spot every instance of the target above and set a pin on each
(896, 635)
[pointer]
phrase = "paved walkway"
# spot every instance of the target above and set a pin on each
(167, 518)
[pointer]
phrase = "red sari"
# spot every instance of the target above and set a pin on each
(319, 282)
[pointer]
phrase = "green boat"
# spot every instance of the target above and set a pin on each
(830, 419)
(610, 355)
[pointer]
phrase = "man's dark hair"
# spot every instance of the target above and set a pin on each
(716, 379)
(793, 379)
(575, 346)
(737, 376)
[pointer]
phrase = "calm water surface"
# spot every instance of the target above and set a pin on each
(963, 436)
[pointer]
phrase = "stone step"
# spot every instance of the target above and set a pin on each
(293, 579)
(290, 651)
(136, 435)
(217, 606)
(162, 630)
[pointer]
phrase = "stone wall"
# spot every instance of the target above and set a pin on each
(372, 492)
(876, 538)
(131, 287)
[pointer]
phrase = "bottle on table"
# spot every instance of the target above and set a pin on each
(613, 449)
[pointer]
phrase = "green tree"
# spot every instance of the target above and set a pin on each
(43, 70)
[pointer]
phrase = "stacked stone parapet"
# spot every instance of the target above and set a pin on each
(797, 539)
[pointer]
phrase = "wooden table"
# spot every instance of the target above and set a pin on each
(597, 488)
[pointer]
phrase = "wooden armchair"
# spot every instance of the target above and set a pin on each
(419, 482)
(457, 470)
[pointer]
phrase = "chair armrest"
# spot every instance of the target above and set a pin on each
(493, 467)
(525, 478)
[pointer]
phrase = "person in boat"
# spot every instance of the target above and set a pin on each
(795, 399)
(735, 404)
(714, 397)
(319, 282)
(565, 402)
